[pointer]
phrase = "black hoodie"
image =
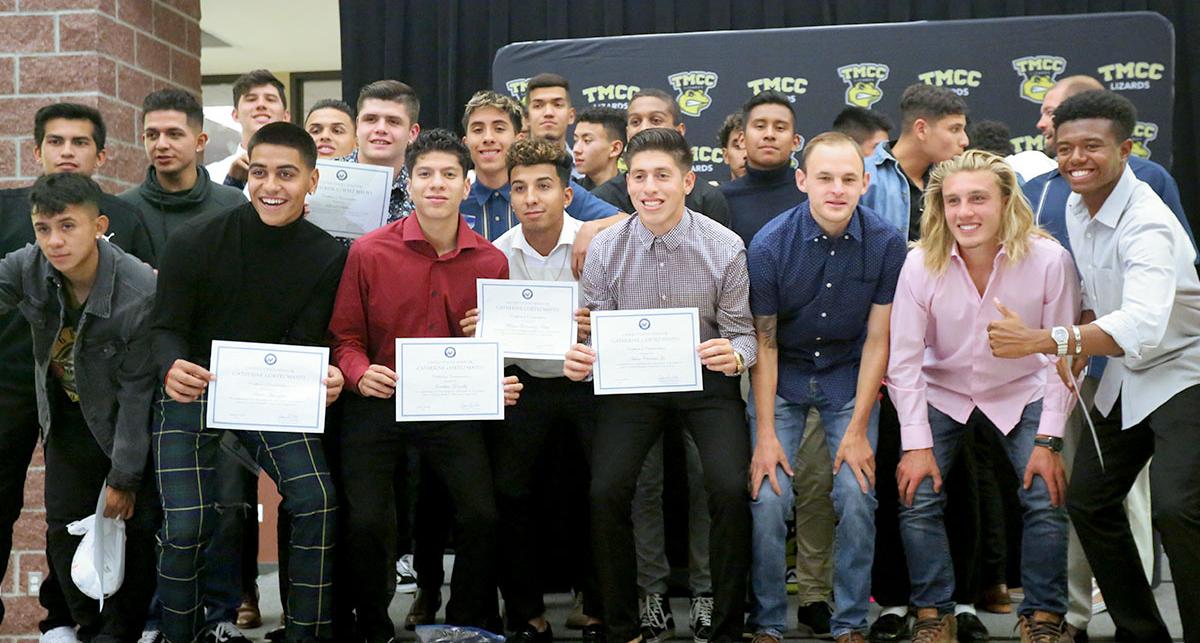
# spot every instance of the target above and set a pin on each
(163, 211)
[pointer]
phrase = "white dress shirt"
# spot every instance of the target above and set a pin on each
(1138, 277)
(527, 264)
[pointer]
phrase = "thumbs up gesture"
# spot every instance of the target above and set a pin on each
(1009, 337)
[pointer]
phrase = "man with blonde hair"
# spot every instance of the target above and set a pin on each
(980, 259)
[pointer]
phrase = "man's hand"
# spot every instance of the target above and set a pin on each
(583, 239)
(240, 168)
(855, 452)
(378, 381)
(1047, 464)
(768, 454)
(186, 381)
(1009, 337)
(512, 390)
(469, 322)
(118, 504)
(583, 323)
(717, 354)
(1070, 374)
(334, 381)
(914, 466)
(577, 364)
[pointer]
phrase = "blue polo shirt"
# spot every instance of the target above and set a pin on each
(822, 290)
(489, 211)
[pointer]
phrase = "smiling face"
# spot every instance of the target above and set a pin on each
(278, 182)
(69, 145)
(834, 180)
(489, 135)
(384, 130)
(1091, 157)
(550, 112)
(257, 107)
(770, 136)
(437, 184)
(171, 144)
(658, 187)
(973, 204)
(332, 131)
(538, 197)
(68, 239)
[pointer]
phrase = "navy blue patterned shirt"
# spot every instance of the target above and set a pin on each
(821, 290)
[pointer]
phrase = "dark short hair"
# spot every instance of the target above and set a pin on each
(394, 91)
(331, 103)
(539, 151)
(661, 139)
(827, 139)
(1110, 106)
(613, 121)
(544, 80)
(654, 92)
(930, 103)
(285, 134)
(52, 193)
(174, 100)
(990, 136)
(70, 112)
(860, 123)
(257, 78)
(769, 97)
(437, 140)
(732, 125)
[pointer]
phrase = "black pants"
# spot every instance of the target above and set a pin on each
(627, 426)
(76, 469)
(1170, 434)
(371, 444)
(548, 408)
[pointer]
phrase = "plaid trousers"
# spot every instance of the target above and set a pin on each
(185, 453)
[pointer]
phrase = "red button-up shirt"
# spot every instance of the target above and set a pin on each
(395, 285)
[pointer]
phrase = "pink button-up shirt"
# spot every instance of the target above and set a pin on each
(939, 348)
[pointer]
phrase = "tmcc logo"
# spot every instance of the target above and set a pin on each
(1038, 74)
(692, 88)
(862, 82)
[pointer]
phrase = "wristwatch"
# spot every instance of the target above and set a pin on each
(1052, 443)
(1060, 335)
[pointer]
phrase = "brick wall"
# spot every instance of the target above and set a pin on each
(104, 53)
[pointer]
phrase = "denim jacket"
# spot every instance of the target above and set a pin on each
(113, 372)
(888, 194)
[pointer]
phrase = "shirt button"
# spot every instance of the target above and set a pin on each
(661, 264)
(832, 252)
(495, 218)
(824, 237)
(823, 314)
(433, 294)
(664, 297)
(829, 284)
(845, 236)
(818, 339)
(817, 354)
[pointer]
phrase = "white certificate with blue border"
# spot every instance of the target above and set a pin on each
(450, 378)
(267, 387)
(530, 319)
(646, 351)
(351, 198)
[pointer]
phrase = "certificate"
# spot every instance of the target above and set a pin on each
(351, 198)
(449, 379)
(646, 351)
(267, 387)
(531, 319)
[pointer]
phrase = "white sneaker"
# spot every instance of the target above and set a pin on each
(1098, 604)
(61, 634)
(152, 636)
(406, 576)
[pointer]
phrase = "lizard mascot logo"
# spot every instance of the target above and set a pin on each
(518, 87)
(1143, 133)
(692, 88)
(862, 82)
(1038, 74)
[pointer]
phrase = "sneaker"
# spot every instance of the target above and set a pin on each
(1040, 627)
(658, 624)
(815, 616)
(424, 609)
(224, 632)
(701, 614)
(65, 634)
(793, 581)
(530, 634)
(576, 620)
(971, 629)
(595, 633)
(1098, 604)
(888, 627)
(277, 634)
(406, 576)
(935, 629)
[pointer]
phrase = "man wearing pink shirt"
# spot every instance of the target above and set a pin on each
(980, 259)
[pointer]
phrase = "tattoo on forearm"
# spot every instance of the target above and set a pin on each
(765, 327)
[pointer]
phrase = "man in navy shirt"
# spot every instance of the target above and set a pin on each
(822, 278)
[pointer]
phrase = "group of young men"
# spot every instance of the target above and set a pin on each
(869, 365)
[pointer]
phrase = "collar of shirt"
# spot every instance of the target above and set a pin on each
(1114, 206)
(565, 238)
(810, 230)
(671, 239)
(482, 193)
(955, 255)
(414, 237)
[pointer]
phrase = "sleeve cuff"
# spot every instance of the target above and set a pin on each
(1052, 423)
(123, 481)
(1122, 332)
(916, 436)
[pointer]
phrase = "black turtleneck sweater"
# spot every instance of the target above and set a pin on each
(758, 196)
(164, 211)
(230, 276)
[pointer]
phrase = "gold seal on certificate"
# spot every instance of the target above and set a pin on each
(449, 378)
(351, 198)
(267, 387)
(646, 351)
(530, 319)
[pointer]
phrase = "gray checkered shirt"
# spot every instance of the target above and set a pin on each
(697, 264)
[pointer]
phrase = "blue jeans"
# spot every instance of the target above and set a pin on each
(1044, 540)
(854, 540)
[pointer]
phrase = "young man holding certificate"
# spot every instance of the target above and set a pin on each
(258, 273)
(669, 257)
(414, 278)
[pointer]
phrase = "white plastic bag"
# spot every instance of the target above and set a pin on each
(98, 567)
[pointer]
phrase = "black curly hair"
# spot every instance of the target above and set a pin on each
(1103, 104)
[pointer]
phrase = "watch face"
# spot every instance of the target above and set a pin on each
(1059, 334)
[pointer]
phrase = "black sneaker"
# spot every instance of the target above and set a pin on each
(971, 629)
(224, 633)
(657, 622)
(595, 633)
(701, 618)
(530, 634)
(888, 627)
(815, 616)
